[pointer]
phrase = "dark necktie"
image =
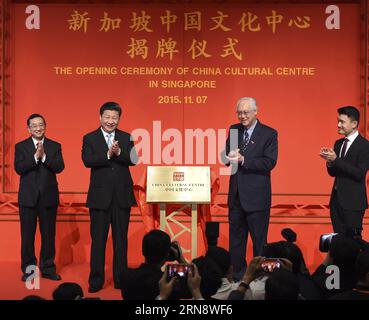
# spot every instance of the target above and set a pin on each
(344, 147)
(245, 141)
(38, 169)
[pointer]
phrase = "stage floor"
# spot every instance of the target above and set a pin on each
(12, 288)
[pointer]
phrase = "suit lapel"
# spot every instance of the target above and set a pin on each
(121, 139)
(338, 147)
(254, 139)
(256, 132)
(47, 144)
(30, 147)
(240, 130)
(117, 135)
(100, 140)
(354, 146)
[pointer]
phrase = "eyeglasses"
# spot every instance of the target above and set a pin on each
(244, 113)
(35, 126)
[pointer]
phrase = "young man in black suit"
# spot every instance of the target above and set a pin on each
(37, 161)
(252, 149)
(109, 152)
(348, 163)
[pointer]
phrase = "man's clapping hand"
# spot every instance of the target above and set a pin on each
(40, 151)
(114, 149)
(234, 156)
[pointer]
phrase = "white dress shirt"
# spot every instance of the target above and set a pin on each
(225, 289)
(351, 138)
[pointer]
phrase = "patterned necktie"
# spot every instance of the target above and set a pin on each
(245, 141)
(108, 141)
(344, 147)
(38, 144)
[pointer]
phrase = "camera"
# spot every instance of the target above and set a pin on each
(269, 264)
(178, 270)
(325, 241)
(352, 233)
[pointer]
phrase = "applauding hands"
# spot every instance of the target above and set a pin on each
(114, 149)
(40, 151)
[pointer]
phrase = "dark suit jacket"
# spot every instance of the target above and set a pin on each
(108, 176)
(141, 283)
(252, 179)
(38, 178)
(350, 172)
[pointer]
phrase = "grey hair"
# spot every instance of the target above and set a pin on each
(252, 102)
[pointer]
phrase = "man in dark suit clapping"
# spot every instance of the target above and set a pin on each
(252, 150)
(109, 152)
(37, 161)
(348, 163)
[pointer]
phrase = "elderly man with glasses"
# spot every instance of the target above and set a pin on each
(252, 151)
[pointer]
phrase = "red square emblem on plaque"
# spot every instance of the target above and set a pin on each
(178, 176)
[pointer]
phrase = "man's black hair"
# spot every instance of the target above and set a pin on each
(288, 250)
(113, 106)
(351, 112)
(33, 297)
(68, 291)
(211, 276)
(156, 246)
(35, 115)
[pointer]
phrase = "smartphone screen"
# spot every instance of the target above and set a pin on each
(269, 264)
(179, 270)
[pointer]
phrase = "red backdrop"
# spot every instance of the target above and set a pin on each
(302, 107)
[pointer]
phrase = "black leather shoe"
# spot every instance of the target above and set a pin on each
(93, 289)
(54, 276)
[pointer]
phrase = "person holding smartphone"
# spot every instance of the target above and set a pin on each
(142, 283)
